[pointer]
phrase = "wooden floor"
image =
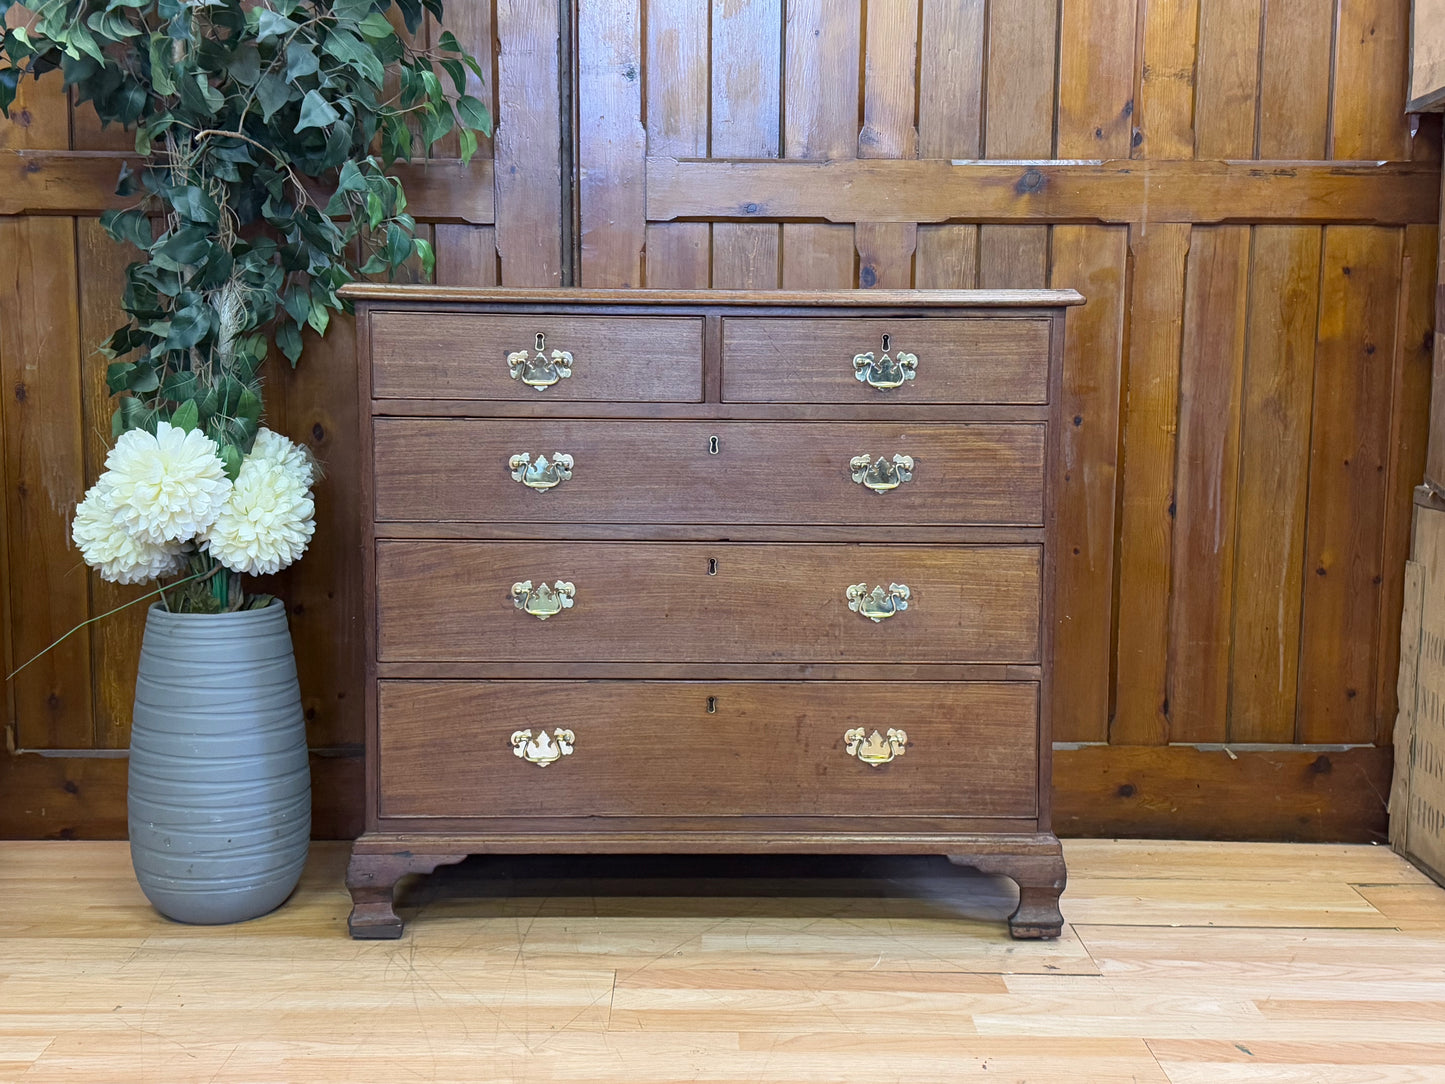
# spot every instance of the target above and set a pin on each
(1188, 963)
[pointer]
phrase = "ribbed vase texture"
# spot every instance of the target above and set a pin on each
(220, 785)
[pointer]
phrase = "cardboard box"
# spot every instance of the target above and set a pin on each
(1417, 798)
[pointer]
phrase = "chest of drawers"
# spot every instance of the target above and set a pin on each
(708, 572)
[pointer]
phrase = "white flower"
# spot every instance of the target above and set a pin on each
(272, 447)
(108, 547)
(267, 521)
(168, 487)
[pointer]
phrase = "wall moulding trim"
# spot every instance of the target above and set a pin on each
(1107, 192)
(82, 183)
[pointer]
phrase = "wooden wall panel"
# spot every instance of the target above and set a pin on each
(1217, 380)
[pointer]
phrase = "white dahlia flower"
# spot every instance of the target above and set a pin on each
(272, 447)
(107, 546)
(168, 487)
(268, 520)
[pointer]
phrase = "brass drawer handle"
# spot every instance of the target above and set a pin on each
(881, 476)
(540, 372)
(878, 604)
(542, 601)
(884, 372)
(543, 750)
(874, 749)
(540, 475)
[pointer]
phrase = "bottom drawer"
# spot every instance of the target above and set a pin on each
(642, 748)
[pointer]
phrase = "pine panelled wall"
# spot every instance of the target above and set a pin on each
(1232, 184)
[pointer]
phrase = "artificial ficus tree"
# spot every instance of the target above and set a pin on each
(264, 129)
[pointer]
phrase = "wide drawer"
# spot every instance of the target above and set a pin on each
(466, 356)
(464, 470)
(964, 360)
(706, 602)
(450, 749)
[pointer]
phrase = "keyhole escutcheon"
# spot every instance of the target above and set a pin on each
(712, 705)
(542, 342)
(887, 341)
(712, 445)
(712, 566)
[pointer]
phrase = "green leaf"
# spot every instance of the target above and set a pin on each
(270, 25)
(272, 92)
(473, 113)
(231, 457)
(288, 338)
(245, 64)
(143, 378)
(188, 327)
(319, 318)
(449, 43)
(468, 140)
(196, 204)
(186, 416)
(300, 61)
(117, 376)
(160, 47)
(375, 210)
(458, 74)
(248, 407)
(425, 254)
(356, 55)
(131, 226)
(187, 245)
(316, 112)
(376, 27)
(398, 245)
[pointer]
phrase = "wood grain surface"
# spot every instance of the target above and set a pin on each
(722, 602)
(726, 749)
(668, 472)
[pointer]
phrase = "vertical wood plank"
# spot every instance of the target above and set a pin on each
(322, 591)
(820, 88)
(950, 125)
(528, 137)
(890, 81)
(44, 461)
(115, 641)
(40, 114)
(1146, 523)
(1022, 57)
(471, 23)
(885, 250)
(744, 256)
(1294, 86)
(885, 254)
(1435, 454)
(1164, 117)
(1354, 359)
(86, 133)
(466, 254)
(1273, 482)
(1409, 430)
(821, 79)
(1096, 78)
(611, 144)
(1092, 260)
(1372, 43)
(677, 255)
(1211, 376)
(746, 102)
(1227, 96)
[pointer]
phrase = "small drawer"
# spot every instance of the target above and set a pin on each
(925, 360)
(706, 602)
(875, 473)
(639, 749)
(475, 356)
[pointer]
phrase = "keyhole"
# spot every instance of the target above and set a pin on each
(712, 566)
(712, 445)
(542, 342)
(712, 705)
(886, 340)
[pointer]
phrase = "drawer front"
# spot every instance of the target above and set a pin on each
(708, 472)
(655, 749)
(968, 360)
(465, 356)
(706, 602)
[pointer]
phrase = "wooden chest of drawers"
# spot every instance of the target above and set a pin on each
(709, 572)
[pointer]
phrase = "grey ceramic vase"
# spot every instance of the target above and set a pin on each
(220, 784)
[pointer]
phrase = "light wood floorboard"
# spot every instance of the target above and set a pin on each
(1182, 963)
